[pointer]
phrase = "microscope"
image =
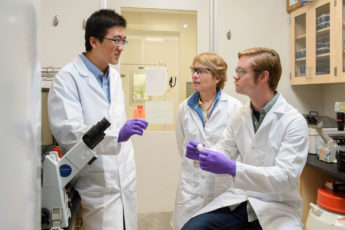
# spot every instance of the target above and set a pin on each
(333, 149)
(58, 172)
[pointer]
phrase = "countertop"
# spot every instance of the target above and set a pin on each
(329, 168)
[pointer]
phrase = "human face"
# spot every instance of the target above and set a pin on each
(203, 79)
(245, 77)
(107, 50)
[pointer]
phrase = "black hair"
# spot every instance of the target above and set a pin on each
(98, 24)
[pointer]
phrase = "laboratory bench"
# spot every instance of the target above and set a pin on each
(328, 168)
(314, 175)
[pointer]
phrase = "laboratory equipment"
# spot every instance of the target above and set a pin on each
(340, 155)
(58, 173)
(339, 108)
(328, 150)
(315, 141)
(329, 212)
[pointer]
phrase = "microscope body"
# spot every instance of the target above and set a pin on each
(58, 173)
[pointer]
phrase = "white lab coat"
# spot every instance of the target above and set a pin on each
(107, 187)
(197, 187)
(271, 161)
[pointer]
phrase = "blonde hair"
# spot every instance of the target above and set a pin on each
(216, 64)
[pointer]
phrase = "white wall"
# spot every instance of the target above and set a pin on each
(333, 93)
(59, 45)
(265, 24)
(20, 116)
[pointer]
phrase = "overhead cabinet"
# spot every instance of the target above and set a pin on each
(317, 43)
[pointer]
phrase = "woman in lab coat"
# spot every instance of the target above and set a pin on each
(77, 101)
(201, 117)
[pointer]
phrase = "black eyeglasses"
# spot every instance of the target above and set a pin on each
(199, 70)
(118, 42)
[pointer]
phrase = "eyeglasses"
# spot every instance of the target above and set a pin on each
(240, 72)
(118, 42)
(199, 70)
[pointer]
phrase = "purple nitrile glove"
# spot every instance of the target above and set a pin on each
(134, 126)
(192, 151)
(217, 163)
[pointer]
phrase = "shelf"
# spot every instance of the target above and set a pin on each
(323, 31)
(322, 56)
(300, 59)
(329, 168)
(303, 36)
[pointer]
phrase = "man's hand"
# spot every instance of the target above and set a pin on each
(134, 126)
(216, 162)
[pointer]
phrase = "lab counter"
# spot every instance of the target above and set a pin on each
(314, 175)
(328, 168)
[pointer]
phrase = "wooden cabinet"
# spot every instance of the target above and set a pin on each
(317, 43)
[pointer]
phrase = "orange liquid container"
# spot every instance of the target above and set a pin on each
(333, 201)
(139, 112)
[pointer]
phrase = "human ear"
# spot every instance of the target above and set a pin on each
(93, 42)
(264, 76)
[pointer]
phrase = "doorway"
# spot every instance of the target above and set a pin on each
(158, 39)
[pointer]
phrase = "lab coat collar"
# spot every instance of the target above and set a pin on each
(82, 68)
(193, 103)
(278, 109)
(92, 81)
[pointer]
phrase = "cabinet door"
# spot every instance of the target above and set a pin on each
(298, 28)
(323, 55)
(340, 40)
(313, 52)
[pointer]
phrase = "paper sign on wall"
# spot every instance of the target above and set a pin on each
(159, 112)
(156, 81)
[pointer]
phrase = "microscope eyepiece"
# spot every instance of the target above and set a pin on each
(96, 133)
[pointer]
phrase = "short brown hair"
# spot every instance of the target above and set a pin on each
(216, 64)
(265, 59)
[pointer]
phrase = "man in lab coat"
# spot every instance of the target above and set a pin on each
(269, 140)
(83, 92)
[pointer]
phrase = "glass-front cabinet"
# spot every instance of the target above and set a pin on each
(340, 39)
(315, 43)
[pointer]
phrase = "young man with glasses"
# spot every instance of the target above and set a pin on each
(83, 92)
(263, 149)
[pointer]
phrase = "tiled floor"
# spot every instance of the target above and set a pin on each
(154, 221)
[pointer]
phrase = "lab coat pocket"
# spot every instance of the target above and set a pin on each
(187, 189)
